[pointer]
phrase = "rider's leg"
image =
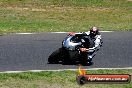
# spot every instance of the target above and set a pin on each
(90, 55)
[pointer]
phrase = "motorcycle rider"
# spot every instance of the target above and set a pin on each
(91, 40)
(95, 41)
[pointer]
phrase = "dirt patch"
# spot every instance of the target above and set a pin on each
(57, 8)
(25, 8)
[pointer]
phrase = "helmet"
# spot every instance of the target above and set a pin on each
(93, 31)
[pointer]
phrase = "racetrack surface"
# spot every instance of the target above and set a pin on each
(30, 52)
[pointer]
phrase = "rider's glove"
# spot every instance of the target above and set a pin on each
(92, 49)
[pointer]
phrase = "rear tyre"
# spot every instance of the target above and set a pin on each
(85, 60)
(65, 59)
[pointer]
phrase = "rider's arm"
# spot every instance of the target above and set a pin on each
(97, 43)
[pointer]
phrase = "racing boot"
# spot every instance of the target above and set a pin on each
(90, 58)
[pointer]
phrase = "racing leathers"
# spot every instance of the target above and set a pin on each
(92, 43)
(95, 44)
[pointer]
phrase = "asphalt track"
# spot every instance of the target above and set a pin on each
(30, 52)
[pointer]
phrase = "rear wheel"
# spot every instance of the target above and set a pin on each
(84, 59)
(55, 56)
(65, 58)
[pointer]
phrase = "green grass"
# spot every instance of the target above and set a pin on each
(62, 79)
(64, 15)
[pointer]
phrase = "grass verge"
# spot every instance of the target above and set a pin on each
(62, 79)
(64, 15)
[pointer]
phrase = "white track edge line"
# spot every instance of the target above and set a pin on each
(52, 32)
(66, 70)
(25, 33)
(67, 32)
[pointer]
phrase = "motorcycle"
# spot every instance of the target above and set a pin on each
(72, 50)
